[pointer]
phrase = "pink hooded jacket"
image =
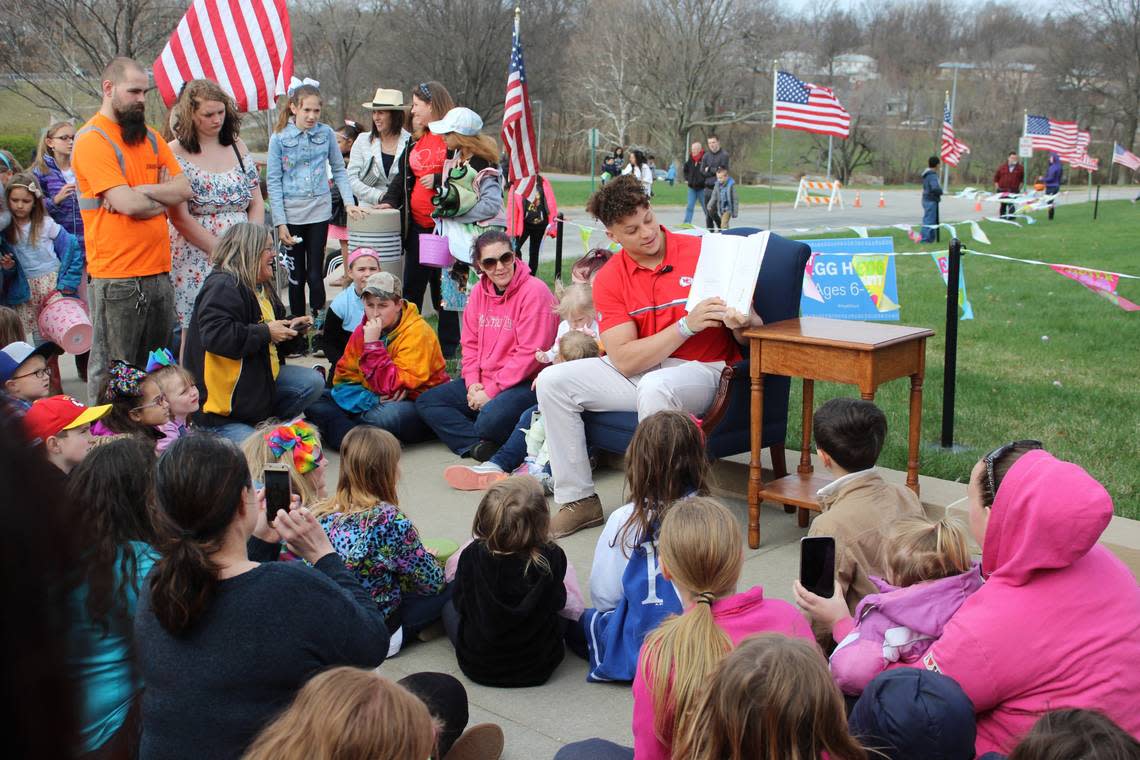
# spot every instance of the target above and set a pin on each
(1057, 622)
(501, 333)
(740, 616)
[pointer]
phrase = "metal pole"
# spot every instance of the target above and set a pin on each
(1096, 205)
(950, 362)
(558, 248)
(953, 104)
(830, 140)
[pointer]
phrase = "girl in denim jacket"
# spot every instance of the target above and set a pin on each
(301, 152)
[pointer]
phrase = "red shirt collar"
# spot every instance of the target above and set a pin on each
(632, 266)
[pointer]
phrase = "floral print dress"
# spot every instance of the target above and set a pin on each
(220, 200)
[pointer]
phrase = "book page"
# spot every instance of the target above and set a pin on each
(728, 268)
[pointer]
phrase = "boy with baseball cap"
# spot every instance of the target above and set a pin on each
(62, 426)
(25, 373)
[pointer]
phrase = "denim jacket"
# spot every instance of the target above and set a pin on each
(15, 289)
(297, 167)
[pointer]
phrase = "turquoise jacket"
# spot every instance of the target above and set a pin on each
(72, 259)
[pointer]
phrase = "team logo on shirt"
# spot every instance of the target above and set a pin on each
(930, 663)
(686, 282)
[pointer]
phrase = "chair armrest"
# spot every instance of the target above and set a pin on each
(719, 404)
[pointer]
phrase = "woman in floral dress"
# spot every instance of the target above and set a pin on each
(224, 178)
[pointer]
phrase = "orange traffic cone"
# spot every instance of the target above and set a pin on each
(978, 204)
(858, 200)
(882, 200)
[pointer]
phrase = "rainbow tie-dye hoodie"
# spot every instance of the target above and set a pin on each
(407, 358)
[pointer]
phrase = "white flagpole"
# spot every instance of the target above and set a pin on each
(830, 140)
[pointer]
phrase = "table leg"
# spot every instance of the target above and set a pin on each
(915, 431)
(805, 467)
(757, 429)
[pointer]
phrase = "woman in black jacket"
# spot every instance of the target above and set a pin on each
(238, 338)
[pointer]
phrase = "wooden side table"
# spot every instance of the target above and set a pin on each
(866, 354)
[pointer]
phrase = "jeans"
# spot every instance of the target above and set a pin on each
(308, 258)
(296, 390)
(130, 316)
(417, 279)
(444, 408)
(712, 221)
(512, 453)
(696, 195)
(399, 418)
(929, 217)
(417, 611)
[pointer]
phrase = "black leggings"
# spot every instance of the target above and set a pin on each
(535, 234)
(446, 700)
(417, 279)
(308, 266)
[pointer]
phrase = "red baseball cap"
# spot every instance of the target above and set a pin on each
(49, 416)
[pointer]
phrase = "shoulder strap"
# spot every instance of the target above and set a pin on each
(237, 153)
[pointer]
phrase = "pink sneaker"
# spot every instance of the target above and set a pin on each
(473, 478)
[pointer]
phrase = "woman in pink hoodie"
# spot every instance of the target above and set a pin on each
(509, 316)
(1057, 622)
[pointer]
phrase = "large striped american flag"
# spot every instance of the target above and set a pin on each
(518, 124)
(244, 45)
(1125, 157)
(1048, 134)
(952, 147)
(1079, 153)
(808, 107)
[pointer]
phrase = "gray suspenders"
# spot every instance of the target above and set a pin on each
(92, 204)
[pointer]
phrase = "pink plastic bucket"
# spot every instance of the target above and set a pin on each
(434, 250)
(64, 321)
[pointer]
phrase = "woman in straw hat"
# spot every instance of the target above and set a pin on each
(374, 159)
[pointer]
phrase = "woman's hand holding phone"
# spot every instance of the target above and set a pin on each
(303, 534)
(825, 610)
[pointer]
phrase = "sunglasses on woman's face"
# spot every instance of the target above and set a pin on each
(490, 262)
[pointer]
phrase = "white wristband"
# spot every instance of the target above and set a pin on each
(684, 329)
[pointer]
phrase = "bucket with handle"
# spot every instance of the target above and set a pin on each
(434, 250)
(64, 321)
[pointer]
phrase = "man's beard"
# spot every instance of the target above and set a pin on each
(132, 123)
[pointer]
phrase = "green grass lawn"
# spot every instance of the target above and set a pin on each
(1043, 358)
(572, 194)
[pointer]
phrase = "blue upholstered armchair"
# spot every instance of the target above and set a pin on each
(727, 421)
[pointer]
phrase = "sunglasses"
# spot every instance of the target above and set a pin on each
(996, 455)
(490, 262)
(43, 374)
(159, 400)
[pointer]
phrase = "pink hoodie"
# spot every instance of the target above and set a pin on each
(739, 616)
(501, 333)
(1057, 622)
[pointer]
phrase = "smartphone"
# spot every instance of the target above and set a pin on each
(817, 565)
(278, 490)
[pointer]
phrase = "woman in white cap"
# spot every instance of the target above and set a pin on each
(375, 155)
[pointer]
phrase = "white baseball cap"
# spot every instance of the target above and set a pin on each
(461, 120)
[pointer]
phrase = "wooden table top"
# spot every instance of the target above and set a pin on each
(866, 336)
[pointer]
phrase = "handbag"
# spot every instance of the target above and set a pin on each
(373, 173)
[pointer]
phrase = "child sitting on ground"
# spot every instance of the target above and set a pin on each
(723, 204)
(177, 385)
(526, 451)
(376, 540)
(296, 445)
(576, 308)
(346, 311)
(138, 406)
(859, 508)
(503, 616)
(930, 574)
(25, 371)
(62, 426)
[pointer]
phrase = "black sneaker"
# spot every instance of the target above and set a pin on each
(484, 450)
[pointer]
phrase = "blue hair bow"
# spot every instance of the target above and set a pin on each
(160, 357)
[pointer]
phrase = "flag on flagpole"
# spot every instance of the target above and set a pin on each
(518, 124)
(952, 147)
(808, 108)
(1124, 157)
(244, 45)
(1079, 153)
(1047, 134)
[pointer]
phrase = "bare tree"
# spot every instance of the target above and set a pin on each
(330, 36)
(1117, 46)
(608, 84)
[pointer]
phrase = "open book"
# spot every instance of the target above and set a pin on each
(727, 268)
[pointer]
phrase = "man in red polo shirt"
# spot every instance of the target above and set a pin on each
(658, 357)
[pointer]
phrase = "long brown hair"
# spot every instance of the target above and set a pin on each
(369, 471)
(296, 99)
(27, 182)
(349, 714)
(200, 484)
(512, 519)
(43, 149)
(439, 98)
(193, 95)
(700, 548)
(473, 146)
(772, 698)
(666, 460)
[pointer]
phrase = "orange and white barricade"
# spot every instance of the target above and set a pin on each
(814, 191)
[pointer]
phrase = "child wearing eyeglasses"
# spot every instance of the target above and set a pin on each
(138, 405)
(25, 373)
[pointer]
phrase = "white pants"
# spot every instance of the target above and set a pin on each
(595, 385)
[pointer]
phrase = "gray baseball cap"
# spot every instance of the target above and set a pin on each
(384, 284)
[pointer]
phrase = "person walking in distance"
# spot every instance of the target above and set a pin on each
(713, 159)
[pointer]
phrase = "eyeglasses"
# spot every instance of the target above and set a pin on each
(489, 263)
(423, 91)
(996, 455)
(64, 137)
(42, 373)
(159, 400)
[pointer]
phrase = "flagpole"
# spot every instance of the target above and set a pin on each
(830, 140)
(945, 166)
(772, 147)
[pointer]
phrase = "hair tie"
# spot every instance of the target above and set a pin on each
(159, 358)
(186, 535)
(295, 83)
(125, 380)
(706, 597)
(298, 437)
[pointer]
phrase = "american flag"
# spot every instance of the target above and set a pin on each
(1125, 157)
(1047, 134)
(808, 107)
(1079, 154)
(1085, 161)
(246, 46)
(952, 147)
(518, 124)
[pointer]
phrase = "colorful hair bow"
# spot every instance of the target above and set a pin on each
(125, 380)
(294, 83)
(300, 438)
(159, 358)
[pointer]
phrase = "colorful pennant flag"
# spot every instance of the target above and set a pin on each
(1102, 283)
(942, 261)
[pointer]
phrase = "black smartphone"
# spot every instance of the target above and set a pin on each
(817, 565)
(278, 490)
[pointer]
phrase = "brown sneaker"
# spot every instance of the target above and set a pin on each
(480, 742)
(577, 515)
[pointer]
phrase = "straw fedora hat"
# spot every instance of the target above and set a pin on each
(386, 100)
